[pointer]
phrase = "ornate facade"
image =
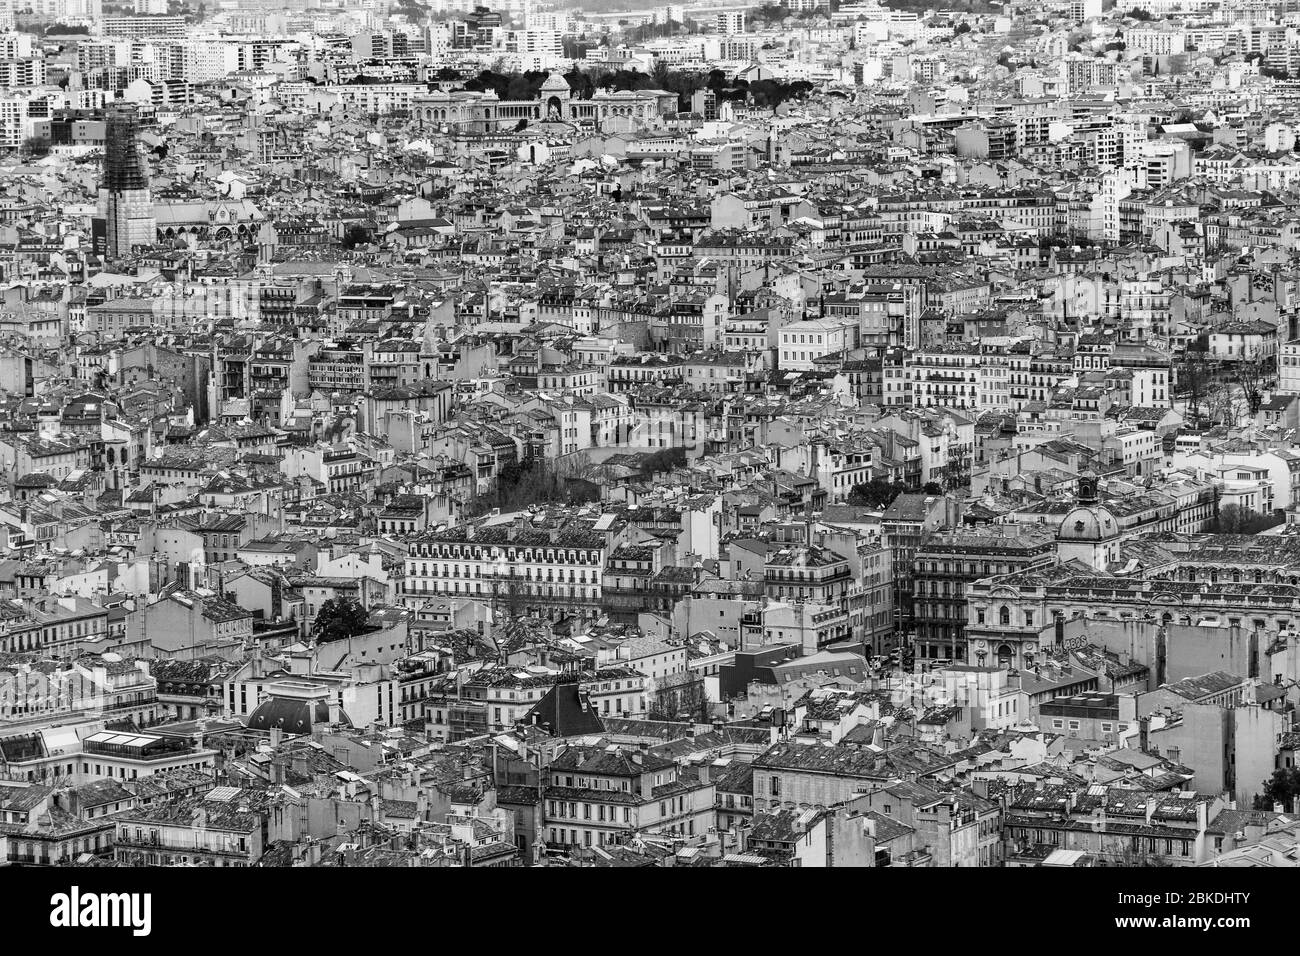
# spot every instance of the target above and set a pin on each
(1244, 580)
(483, 112)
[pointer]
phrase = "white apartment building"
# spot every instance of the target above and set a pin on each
(15, 126)
(802, 343)
(1288, 368)
(1155, 41)
(731, 22)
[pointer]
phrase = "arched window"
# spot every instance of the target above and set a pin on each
(1004, 615)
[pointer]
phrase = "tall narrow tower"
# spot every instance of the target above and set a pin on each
(125, 205)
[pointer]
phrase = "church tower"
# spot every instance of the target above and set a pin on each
(125, 204)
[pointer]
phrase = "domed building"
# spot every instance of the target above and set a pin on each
(479, 112)
(1089, 532)
(555, 94)
(294, 707)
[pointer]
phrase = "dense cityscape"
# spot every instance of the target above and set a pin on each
(626, 435)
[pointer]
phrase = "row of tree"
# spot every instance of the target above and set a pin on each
(1221, 393)
(583, 84)
(573, 479)
(879, 493)
(534, 482)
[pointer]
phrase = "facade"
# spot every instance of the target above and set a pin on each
(125, 202)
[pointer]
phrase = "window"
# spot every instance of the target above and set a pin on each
(776, 786)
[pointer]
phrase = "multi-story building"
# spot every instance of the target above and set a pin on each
(226, 826)
(125, 204)
(603, 796)
(947, 562)
(518, 564)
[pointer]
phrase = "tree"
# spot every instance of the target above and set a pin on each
(1283, 787)
(573, 48)
(509, 594)
(1193, 377)
(339, 619)
(34, 147)
(1138, 14)
(1234, 519)
(1254, 373)
(520, 484)
(355, 235)
(876, 493)
(1225, 404)
(665, 460)
(679, 697)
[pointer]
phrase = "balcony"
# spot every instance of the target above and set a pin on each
(148, 846)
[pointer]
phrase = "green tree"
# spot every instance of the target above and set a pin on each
(339, 619)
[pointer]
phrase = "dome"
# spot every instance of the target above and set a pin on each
(555, 83)
(1093, 523)
(289, 714)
